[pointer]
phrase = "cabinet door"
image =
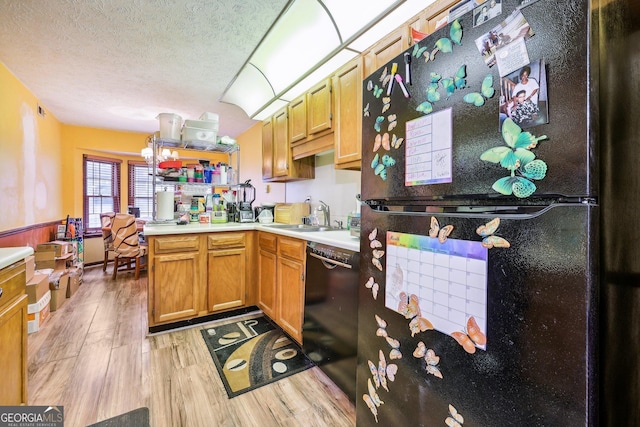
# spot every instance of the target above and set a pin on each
(176, 286)
(319, 107)
(291, 296)
(226, 279)
(347, 83)
(267, 266)
(297, 119)
(281, 156)
(386, 49)
(13, 357)
(267, 149)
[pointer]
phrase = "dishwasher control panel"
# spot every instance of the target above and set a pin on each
(331, 252)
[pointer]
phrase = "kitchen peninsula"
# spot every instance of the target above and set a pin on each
(198, 272)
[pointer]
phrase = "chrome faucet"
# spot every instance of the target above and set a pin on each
(327, 213)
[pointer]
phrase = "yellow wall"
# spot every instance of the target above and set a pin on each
(41, 163)
(30, 169)
(78, 141)
(112, 144)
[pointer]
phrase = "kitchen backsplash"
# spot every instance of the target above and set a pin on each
(335, 187)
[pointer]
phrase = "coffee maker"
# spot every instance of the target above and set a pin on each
(245, 196)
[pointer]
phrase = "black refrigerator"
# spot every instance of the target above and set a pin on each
(500, 266)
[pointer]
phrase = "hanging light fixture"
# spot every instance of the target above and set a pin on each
(308, 41)
(162, 154)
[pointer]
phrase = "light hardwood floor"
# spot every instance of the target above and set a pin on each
(93, 357)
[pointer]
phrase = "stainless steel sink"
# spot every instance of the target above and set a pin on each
(301, 227)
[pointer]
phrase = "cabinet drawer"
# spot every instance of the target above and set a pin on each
(225, 240)
(267, 241)
(292, 248)
(13, 281)
(163, 245)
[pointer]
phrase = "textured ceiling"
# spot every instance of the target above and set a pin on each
(106, 63)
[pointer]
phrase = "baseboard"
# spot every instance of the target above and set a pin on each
(204, 319)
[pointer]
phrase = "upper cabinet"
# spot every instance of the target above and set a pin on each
(281, 153)
(319, 107)
(329, 115)
(267, 150)
(275, 132)
(347, 84)
(311, 121)
(432, 18)
(298, 119)
(386, 49)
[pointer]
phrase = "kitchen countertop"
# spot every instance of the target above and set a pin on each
(338, 238)
(10, 255)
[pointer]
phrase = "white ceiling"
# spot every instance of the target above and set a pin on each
(116, 64)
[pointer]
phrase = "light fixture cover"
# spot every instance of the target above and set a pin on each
(308, 34)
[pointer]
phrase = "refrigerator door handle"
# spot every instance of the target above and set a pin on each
(506, 212)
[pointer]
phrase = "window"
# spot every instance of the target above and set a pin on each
(101, 192)
(140, 188)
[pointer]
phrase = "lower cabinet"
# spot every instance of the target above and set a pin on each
(226, 266)
(197, 274)
(267, 278)
(13, 334)
(281, 281)
(174, 278)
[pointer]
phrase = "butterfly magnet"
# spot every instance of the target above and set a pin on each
(430, 357)
(440, 233)
(490, 240)
(472, 337)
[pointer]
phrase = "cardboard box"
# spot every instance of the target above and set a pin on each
(44, 255)
(57, 263)
(59, 247)
(74, 283)
(38, 313)
(58, 298)
(37, 287)
(30, 263)
(58, 280)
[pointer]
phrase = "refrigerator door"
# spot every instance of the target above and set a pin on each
(447, 151)
(534, 302)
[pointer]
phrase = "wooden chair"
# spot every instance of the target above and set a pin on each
(126, 243)
(105, 221)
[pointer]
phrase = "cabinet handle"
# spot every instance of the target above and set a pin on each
(1, 292)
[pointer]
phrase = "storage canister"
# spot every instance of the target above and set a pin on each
(170, 126)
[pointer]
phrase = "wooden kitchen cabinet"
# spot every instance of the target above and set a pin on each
(392, 45)
(347, 83)
(175, 278)
(13, 334)
(284, 167)
(432, 18)
(226, 268)
(267, 267)
(291, 278)
(298, 119)
(194, 275)
(319, 107)
(281, 281)
(267, 150)
(281, 152)
(311, 122)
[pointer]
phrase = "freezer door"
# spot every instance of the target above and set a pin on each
(534, 302)
(439, 156)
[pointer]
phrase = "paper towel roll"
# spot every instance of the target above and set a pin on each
(165, 205)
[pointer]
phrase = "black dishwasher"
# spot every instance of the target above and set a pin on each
(330, 328)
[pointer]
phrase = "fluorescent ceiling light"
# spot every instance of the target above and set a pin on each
(308, 42)
(391, 21)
